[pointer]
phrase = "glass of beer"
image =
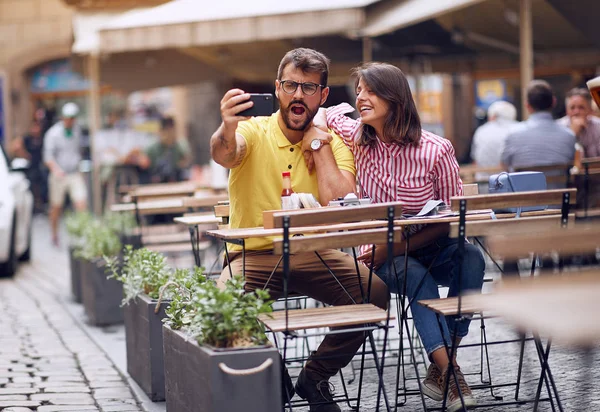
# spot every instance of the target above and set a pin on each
(594, 86)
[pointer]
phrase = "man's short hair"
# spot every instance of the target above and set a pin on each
(581, 92)
(502, 110)
(167, 122)
(307, 60)
(539, 95)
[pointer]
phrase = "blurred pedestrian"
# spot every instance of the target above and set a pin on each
(489, 138)
(62, 154)
(30, 147)
(580, 120)
(539, 141)
(167, 159)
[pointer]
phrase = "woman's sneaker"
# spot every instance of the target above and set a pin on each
(453, 401)
(431, 384)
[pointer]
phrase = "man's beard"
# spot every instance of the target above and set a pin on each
(310, 115)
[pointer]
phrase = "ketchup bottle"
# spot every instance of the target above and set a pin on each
(286, 193)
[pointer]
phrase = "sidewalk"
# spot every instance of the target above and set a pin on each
(51, 360)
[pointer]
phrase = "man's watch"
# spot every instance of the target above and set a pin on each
(316, 144)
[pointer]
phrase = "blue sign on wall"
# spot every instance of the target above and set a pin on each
(57, 76)
(489, 91)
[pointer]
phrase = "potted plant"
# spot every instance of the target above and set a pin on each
(148, 282)
(217, 356)
(101, 296)
(124, 225)
(76, 223)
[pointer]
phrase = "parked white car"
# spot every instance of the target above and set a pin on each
(16, 211)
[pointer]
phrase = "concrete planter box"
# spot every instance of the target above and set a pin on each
(101, 296)
(143, 336)
(195, 381)
(76, 267)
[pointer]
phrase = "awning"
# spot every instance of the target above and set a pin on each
(391, 16)
(187, 23)
(86, 28)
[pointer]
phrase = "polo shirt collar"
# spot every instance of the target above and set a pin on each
(541, 117)
(282, 141)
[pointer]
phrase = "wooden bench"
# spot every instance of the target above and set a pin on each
(470, 173)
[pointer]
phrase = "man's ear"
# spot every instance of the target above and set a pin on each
(553, 101)
(277, 83)
(324, 95)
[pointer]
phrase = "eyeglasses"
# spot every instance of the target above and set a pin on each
(290, 87)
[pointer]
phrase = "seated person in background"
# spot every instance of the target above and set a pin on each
(165, 160)
(539, 141)
(398, 161)
(258, 150)
(489, 138)
(580, 120)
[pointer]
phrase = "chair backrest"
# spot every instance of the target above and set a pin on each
(510, 226)
(342, 214)
(517, 199)
(222, 212)
(556, 174)
(335, 240)
(203, 200)
(477, 174)
(591, 162)
(471, 189)
(580, 239)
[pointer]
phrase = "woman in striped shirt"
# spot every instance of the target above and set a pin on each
(398, 161)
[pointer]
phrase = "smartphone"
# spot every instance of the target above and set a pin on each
(263, 105)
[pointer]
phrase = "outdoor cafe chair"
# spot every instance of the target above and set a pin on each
(460, 307)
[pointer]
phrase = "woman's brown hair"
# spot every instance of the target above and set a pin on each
(402, 124)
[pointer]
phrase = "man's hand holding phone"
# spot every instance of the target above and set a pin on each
(234, 102)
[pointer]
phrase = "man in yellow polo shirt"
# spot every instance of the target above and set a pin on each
(258, 150)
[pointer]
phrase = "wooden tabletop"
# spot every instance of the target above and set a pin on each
(173, 189)
(198, 220)
(174, 205)
(562, 307)
(246, 233)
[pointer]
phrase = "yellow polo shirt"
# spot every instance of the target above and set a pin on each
(256, 184)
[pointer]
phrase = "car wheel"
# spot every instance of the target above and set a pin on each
(10, 266)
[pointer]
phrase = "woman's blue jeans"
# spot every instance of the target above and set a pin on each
(441, 257)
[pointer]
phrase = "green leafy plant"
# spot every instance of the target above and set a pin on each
(119, 222)
(182, 289)
(141, 271)
(227, 318)
(98, 241)
(76, 223)
(145, 271)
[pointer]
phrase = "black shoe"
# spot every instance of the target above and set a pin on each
(287, 387)
(317, 393)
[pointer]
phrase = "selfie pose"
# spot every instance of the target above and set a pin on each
(258, 150)
(398, 161)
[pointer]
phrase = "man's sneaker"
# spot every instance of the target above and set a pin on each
(453, 401)
(317, 393)
(431, 384)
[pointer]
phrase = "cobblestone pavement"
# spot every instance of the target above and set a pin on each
(49, 361)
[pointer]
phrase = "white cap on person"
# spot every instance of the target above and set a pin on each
(70, 109)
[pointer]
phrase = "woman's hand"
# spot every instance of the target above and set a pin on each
(376, 261)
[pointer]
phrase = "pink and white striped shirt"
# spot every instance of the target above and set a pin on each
(389, 172)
